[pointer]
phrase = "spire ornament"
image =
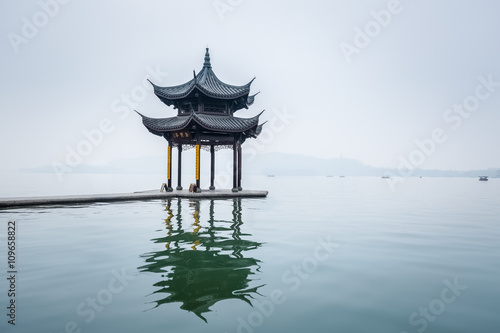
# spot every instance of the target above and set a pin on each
(207, 60)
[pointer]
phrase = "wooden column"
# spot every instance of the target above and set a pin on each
(169, 167)
(235, 167)
(179, 166)
(198, 165)
(212, 167)
(239, 167)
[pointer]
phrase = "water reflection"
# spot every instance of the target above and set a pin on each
(203, 263)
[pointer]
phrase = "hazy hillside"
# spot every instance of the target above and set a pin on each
(265, 164)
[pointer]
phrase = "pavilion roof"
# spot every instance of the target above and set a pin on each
(208, 83)
(217, 123)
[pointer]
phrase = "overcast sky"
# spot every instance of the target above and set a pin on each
(366, 79)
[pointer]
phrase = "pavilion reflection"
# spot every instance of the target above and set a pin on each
(202, 263)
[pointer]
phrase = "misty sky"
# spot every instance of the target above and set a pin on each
(366, 79)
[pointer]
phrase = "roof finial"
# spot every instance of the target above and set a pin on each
(207, 60)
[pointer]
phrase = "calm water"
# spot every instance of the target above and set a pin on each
(322, 254)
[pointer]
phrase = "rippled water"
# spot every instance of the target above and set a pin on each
(322, 254)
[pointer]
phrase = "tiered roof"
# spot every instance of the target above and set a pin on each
(208, 84)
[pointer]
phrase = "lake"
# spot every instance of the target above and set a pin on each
(324, 254)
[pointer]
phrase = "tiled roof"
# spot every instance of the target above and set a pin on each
(165, 124)
(226, 123)
(207, 82)
(221, 123)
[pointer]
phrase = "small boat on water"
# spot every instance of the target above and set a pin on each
(483, 178)
(386, 177)
(270, 175)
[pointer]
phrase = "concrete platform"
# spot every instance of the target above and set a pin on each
(6, 203)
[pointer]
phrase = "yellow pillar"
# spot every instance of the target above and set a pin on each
(169, 163)
(169, 167)
(198, 166)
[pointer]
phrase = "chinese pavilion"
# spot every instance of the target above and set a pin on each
(205, 120)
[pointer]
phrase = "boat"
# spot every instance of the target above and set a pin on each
(386, 177)
(483, 178)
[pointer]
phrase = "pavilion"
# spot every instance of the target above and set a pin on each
(205, 120)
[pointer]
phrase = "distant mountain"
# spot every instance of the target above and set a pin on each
(300, 165)
(281, 164)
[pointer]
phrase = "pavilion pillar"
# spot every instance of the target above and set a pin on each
(198, 165)
(169, 167)
(239, 167)
(212, 167)
(179, 166)
(235, 166)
